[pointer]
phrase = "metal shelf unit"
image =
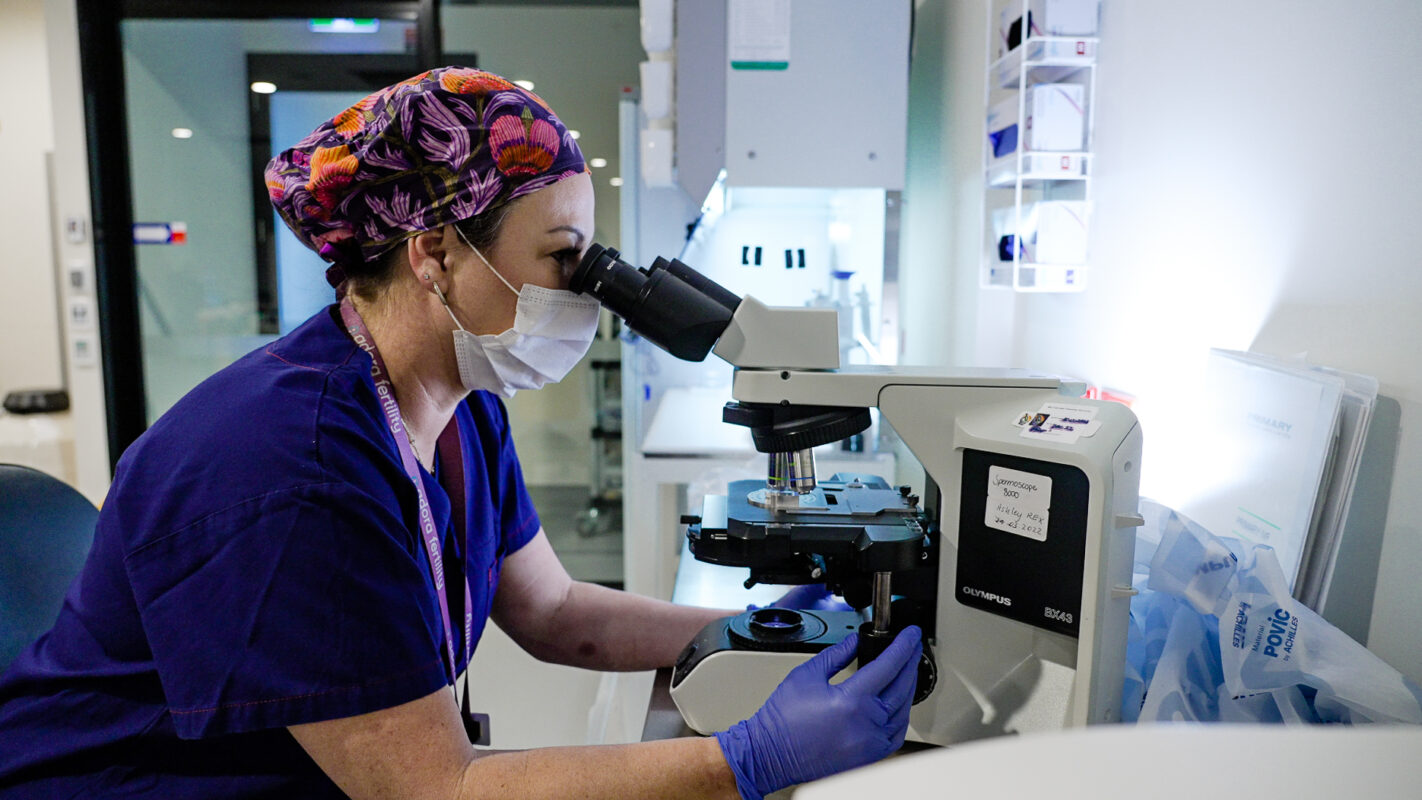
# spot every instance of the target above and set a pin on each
(1019, 181)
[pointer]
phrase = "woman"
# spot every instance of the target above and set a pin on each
(294, 564)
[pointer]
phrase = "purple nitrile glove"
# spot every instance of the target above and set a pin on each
(809, 596)
(810, 728)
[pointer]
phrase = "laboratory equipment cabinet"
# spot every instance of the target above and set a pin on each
(1040, 94)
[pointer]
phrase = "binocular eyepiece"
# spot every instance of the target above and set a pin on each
(674, 306)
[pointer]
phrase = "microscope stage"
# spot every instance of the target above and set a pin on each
(860, 517)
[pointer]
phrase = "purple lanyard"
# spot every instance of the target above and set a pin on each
(450, 456)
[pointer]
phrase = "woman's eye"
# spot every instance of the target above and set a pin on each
(567, 259)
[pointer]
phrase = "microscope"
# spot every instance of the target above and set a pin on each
(1014, 559)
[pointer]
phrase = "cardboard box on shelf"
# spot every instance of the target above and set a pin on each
(1047, 232)
(1045, 18)
(1056, 120)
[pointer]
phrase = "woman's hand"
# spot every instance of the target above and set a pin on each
(810, 728)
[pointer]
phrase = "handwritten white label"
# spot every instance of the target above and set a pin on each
(1018, 502)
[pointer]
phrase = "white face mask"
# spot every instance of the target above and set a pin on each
(552, 331)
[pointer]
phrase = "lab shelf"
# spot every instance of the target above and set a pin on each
(1025, 276)
(1037, 201)
(1053, 58)
(1042, 168)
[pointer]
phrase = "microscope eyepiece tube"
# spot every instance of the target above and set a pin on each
(701, 283)
(603, 274)
(678, 309)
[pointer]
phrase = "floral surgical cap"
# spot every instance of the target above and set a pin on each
(443, 146)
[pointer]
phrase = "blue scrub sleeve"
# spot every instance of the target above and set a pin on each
(306, 604)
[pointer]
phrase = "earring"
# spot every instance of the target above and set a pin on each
(427, 276)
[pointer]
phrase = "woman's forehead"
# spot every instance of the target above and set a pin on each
(555, 209)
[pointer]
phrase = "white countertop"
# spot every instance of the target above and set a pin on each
(1171, 762)
(688, 422)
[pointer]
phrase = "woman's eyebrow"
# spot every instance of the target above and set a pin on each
(570, 229)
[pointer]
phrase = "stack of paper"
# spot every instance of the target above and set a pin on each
(1360, 394)
(1276, 451)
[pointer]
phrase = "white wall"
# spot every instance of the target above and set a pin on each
(70, 445)
(85, 380)
(29, 324)
(1254, 190)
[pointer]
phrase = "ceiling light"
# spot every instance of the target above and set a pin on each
(575, 134)
(597, 163)
(524, 85)
(615, 181)
(263, 87)
(182, 133)
(343, 25)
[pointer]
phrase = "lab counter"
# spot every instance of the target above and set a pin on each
(663, 720)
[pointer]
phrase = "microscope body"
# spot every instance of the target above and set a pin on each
(1014, 558)
(1016, 562)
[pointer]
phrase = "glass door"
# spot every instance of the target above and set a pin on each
(186, 103)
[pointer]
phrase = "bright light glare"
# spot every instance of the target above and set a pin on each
(343, 25)
(182, 133)
(575, 134)
(597, 163)
(615, 181)
(263, 87)
(528, 85)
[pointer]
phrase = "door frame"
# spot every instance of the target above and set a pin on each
(111, 200)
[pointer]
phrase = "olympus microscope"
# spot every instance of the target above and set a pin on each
(1014, 559)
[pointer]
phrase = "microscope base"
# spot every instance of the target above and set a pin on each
(729, 670)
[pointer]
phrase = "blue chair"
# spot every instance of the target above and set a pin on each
(46, 528)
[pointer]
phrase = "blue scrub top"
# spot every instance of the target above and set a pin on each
(256, 565)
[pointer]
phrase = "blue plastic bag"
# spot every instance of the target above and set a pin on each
(1216, 636)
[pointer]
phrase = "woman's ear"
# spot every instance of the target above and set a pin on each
(429, 252)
